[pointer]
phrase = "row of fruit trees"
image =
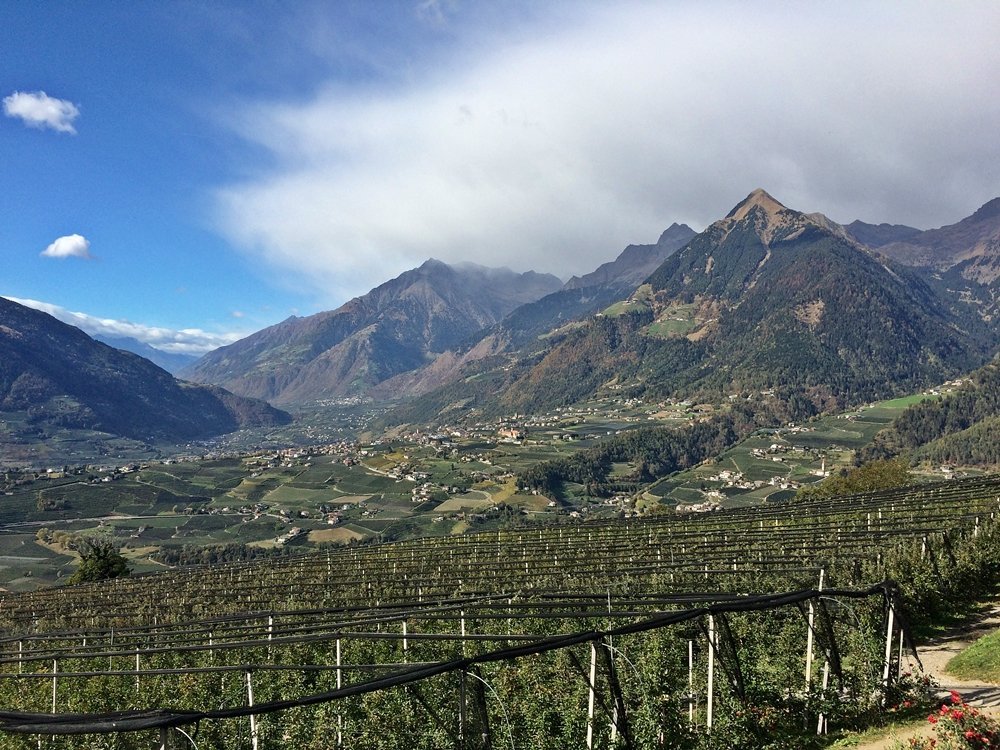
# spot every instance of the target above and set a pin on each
(761, 627)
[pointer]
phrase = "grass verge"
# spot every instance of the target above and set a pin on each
(980, 661)
(893, 730)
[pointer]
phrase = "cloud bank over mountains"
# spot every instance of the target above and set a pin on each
(187, 341)
(554, 151)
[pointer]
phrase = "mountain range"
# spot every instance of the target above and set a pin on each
(765, 298)
(53, 375)
(970, 247)
(398, 327)
(782, 297)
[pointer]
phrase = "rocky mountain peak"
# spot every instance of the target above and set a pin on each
(771, 220)
(742, 250)
(635, 262)
(431, 268)
(765, 216)
(676, 234)
(758, 198)
(988, 210)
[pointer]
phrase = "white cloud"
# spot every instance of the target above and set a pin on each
(70, 246)
(555, 151)
(39, 110)
(185, 341)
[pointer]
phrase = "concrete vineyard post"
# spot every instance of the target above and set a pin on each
(253, 719)
(340, 716)
(888, 647)
(710, 704)
(691, 682)
(821, 721)
(592, 696)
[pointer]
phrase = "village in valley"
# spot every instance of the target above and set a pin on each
(417, 481)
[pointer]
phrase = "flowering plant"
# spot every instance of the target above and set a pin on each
(959, 726)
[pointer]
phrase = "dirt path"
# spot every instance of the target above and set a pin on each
(935, 655)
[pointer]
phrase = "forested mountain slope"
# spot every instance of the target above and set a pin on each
(765, 298)
(960, 428)
(58, 376)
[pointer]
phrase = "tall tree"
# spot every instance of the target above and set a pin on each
(100, 560)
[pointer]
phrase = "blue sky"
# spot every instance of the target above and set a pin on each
(230, 164)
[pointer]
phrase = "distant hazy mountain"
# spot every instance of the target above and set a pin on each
(969, 248)
(395, 328)
(766, 297)
(636, 262)
(877, 235)
(54, 374)
(170, 362)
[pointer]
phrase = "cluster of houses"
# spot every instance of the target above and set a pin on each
(777, 451)
(406, 472)
(733, 479)
(344, 451)
(95, 474)
(708, 506)
(288, 535)
(554, 425)
(425, 491)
